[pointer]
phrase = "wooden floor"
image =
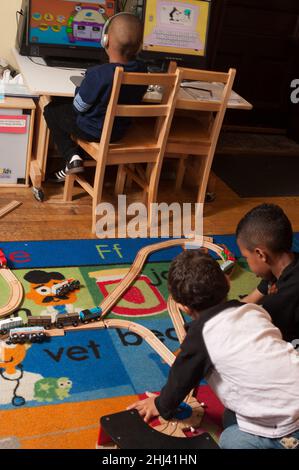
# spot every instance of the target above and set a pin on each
(53, 219)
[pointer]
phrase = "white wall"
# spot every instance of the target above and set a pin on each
(8, 27)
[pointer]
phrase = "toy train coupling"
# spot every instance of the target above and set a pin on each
(38, 193)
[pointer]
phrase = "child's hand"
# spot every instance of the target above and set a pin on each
(146, 408)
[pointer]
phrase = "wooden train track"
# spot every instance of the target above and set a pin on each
(176, 318)
(142, 331)
(108, 303)
(15, 292)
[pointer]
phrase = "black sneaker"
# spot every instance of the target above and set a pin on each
(57, 177)
(75, 166)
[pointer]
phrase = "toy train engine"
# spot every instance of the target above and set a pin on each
(32, 334)
(92, 314)
(9, 323)
(67, 286)
(67, 319)
(45, 321)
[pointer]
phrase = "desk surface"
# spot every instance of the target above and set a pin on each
(52, 81)
(44, 80)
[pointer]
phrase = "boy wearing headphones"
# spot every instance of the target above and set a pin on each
(84, 118)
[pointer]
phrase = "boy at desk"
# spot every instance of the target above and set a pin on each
(265, 236)
(240, 353)
(84, 118)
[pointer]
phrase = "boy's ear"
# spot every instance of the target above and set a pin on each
(185, 309)
(261, 254)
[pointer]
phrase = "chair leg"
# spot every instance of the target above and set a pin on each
(68, 188)
(97, 192)
(120, 180)
(203, 183)
(152, 191)
(180, 174)
(129, 180)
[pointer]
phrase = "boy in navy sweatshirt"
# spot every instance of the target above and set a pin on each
(84, 118)
(240, 353)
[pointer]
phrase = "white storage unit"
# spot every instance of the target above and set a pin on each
(16, 129)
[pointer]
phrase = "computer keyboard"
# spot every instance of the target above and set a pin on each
(64, 62)
(175, 38)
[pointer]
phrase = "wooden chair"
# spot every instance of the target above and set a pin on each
(143, 143)
(196, 127)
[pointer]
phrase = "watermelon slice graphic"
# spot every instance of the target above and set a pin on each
(141, 299)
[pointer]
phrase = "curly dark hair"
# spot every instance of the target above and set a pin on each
(266, 225)
(196, 280)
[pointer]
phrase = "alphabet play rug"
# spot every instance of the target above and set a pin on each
(52, 394)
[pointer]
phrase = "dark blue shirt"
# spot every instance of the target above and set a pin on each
(92, 98)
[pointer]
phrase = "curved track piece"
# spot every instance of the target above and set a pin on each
(138, 263)
(15, 292)
(177, 319)
(142, 331)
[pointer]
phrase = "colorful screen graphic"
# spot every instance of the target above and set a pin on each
(178, 27)
(69, 22)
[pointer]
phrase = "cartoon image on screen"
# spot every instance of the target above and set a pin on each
(178, 15)
(67, 22)
(176, 26)
(86, 24)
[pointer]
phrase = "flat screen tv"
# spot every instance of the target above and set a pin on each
(176, 30)
(64, 28)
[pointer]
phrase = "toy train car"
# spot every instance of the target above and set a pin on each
(67, 286)
(90, 314)
(43, 323)
(9, 323)
(31, 333)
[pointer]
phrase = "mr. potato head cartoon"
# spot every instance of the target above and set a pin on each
(43, 287)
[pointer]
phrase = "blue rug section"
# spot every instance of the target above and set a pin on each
(88, 365)
(38, 254)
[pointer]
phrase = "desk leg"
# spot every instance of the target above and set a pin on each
(40, 149)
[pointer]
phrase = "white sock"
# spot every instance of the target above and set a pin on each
(74, 158)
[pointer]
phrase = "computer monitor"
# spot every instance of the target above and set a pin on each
(68, 29)
(176, 30)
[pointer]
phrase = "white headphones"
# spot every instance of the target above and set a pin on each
(104, 38)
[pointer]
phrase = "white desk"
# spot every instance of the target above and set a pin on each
(43, 80)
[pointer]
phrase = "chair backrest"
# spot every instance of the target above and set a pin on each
(163, 111)
(218, 103)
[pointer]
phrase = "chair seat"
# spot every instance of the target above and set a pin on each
(133, 140)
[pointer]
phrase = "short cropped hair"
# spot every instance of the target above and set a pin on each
(266, 225)
(127, 31)
(196, 280)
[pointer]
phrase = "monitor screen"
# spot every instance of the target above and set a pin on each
(68, 23)
(177, 29)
